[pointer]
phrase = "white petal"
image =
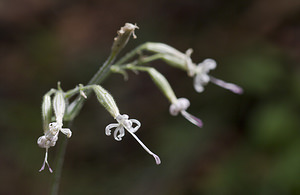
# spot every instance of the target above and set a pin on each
(109, 127)
(42, 142)
(173, 110)
(209, 64)
(119, 133)
(66, 131)
(138, 125)
(199, 82)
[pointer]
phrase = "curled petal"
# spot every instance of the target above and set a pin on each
(199, 81)
(109, 127)
(67, 132)
(230, 86)
(47, 142)
(42, 141)
(192, 118)
(138, 125)
(46, 162)
(179, 105)
(119, 133)
(173, 110)
(209, 64)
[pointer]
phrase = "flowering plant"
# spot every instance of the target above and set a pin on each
(137, 60)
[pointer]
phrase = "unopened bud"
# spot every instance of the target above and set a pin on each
(163, 48)
(106, 100)
(162, 84)
(46, 111)
(59, 106)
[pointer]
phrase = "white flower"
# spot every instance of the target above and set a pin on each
(201, 77)
(51, 134)
(49, 140)
(180, 106)
(119, 132)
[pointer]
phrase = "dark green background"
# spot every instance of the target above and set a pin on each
(249, 144)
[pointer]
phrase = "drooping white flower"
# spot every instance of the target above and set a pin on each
(201, 77)
(51, 133)
(131, 125)
(124, 123)
(180, 106)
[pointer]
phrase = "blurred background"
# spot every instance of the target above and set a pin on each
(249, 144)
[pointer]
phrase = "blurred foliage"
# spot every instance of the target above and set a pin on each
(249, 144)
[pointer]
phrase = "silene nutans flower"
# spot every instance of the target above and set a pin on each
(183, 61)
(201, 77)
(124, 123)
(180, 105)
(52, 130)
(177, 105)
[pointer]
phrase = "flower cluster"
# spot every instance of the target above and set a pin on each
(63, 111)
(178, 105)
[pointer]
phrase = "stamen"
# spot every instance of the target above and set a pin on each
(46, 162)
(196, 121)
(157, 159)
(230, 86)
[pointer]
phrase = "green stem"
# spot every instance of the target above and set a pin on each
(59, 166)
(131, 54)
(77, 104)
(100, 75)
(96, 79)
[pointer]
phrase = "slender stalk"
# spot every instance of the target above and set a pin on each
(131, 54)
(96, 79)
(119, 43)
(59, 165)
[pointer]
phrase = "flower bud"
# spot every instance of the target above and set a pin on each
(106, 100)
(164, 49)
(162, 84)
(59, 106)
(172, 56)
(46, 111)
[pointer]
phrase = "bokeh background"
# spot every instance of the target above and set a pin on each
(249, 144)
